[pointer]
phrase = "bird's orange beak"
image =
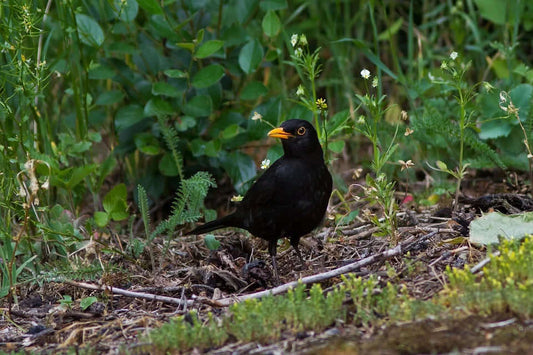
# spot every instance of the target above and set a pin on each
(280, 133)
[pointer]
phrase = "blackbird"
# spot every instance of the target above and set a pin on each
(290, 198)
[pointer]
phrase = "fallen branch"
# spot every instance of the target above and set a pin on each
(397, 250)
(120, 291)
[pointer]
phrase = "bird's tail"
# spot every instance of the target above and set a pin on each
(211, 226)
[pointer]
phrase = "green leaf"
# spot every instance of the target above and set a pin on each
(208, 76)
(147, 143)
(167, 165)
(175, 73)
(78, 174)
(101, 72)
(240, 168)
(109, 98)
(210, 242)
(165, 89)
(151, 6)
(251, 56)
(101, 218)
(391, 31)
(156, 106)
(208, 48)
(522, 96)
(125, 10)
(271, 24)
(230, 131)
(115, 203)
(88, 301)
(128, 116)
(199, 106)
(253, 90)
(336, 146)
(89, 31)
(493, 10)
(212, 148)
(488, 228)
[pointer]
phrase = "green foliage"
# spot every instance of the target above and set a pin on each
(267, 319)
(505, 284)
(189, 200)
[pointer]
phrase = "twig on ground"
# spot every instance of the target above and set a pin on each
(398, 250)
(120, 291)
(482, 263)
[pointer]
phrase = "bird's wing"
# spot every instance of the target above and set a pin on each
(266, 189)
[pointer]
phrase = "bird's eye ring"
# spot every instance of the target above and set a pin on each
(301, 131)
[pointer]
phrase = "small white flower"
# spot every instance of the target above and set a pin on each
(365, 73)
(431, 77)
(300, 91)
(257, 116)
(375, 82)
(237, 198)
(298, 52)
(361, 120)
(454, 55)
(265, 164)
(294, 39)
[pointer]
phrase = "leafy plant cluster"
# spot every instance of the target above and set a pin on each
(267, 319)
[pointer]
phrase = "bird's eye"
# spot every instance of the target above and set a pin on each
(301, 131)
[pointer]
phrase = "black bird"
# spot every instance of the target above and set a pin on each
(289, 200)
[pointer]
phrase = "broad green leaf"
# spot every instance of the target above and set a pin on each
(208, 48)
(88, 301)
(251, 56)
(253, 90)
(493, 10)
(490, 227)
(125, 10)
(336, 146)
(101, 218)
(151, 6)
(167, 165)
(230, 131)
(147, 143)
(208, 76)
(271, 24)
(240, 168)
(156, 106)
(115, 203)
(89, 31)
(109, 97)
(101, 72)
(212, 148)
(165, 89)
(210, 242)
(127, 116)
(199, 106)
(521, 96)
(78, 174)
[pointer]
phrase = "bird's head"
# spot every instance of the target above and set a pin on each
(298, 137)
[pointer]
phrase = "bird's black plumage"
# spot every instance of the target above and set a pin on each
(290, 198)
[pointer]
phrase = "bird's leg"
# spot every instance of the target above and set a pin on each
(272, 246)
(294, 243)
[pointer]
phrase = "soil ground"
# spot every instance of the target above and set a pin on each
(187, 270)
